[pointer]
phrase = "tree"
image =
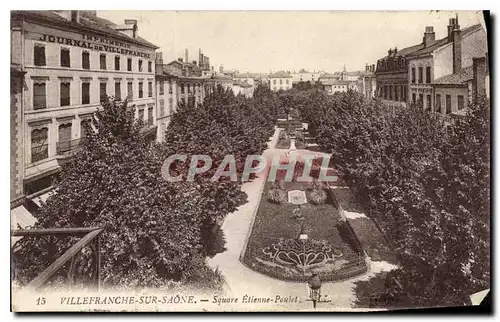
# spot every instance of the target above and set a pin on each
(152, 231)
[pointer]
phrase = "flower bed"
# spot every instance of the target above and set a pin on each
(274, 249)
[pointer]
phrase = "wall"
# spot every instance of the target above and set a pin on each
(286, 83)
(454, 92)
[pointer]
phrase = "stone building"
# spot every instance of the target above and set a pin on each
(280, 81)
(68, 62)
(439, 58)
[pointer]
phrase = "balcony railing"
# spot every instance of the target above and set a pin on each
(69, 147)
(90, 237)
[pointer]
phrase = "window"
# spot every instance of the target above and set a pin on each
(141, 115)
(460, 101)
(170, 105)
(103, 96)
(162, 108)
(286, 81)
(129, 64)
(396, 93)
(150, 115)
(162, 88)
(64, 143)
(130, 90)
(429, 102)
(274, 81)
(403, 93)
(39, 144)
(64, 92)
(170, 87)
(182, 88)
(428, 74)
(140, 65)
(65, 57)
(140, 90)
(421, 99)
(85, 128)
(39, 55)
(413, 98)
(102, 61)
(420, 75)
(281, 81)
(448, 104)
(39, 96)
(117, 62)
(85, 93)
(150, 89)
(386, 91)
(413, 75)
(150, 66)
(438, 103)
(390, 92)
(85, 60)
(118, 91)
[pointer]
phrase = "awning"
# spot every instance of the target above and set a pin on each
(22, 217)
(43, 197)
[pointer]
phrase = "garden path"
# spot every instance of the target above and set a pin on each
(241, 280)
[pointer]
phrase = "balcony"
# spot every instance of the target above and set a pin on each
(69, 148)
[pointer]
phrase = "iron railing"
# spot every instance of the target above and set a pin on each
(90, 235)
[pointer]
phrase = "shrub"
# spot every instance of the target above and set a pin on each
(277, 193)
(317, 195)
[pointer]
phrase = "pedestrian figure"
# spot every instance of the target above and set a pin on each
(314, 284)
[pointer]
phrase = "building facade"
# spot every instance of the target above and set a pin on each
(280, 81)
(73, 60)
(439, 58)
(369, 82)
(166, 96)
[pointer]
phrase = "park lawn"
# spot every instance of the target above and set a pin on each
(274, 221)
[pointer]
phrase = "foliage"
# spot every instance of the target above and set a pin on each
(277, 193)
(316, 194)
(426, 185)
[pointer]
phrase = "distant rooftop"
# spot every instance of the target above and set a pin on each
(280, 74)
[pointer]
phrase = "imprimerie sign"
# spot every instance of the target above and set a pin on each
(95, 43)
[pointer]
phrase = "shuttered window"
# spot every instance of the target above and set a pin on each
(65, 60)
(130, 90)
(118, 91)
(85, 93)
(103, 96)
(85, 60)
(39, 96)
(39, 144)
(39, 55)
(65, 94)
(64, 143)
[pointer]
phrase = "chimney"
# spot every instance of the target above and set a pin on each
(457, 49)
(180, 59)
(367, 69)
(159, 63)
(389, 52)
(479, 76)
(75, 16)
(130, 28)
(395, 50)
(186, 55)
(194, 62)
(451, 26)
(429, 36)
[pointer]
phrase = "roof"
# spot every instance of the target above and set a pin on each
(94, 23)
(219, 76)
(466, 74)
(241, 84)
(441, 42)
(335, 82)
(244, 75)
(280, 74)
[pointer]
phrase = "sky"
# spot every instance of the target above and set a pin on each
(268, 41)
